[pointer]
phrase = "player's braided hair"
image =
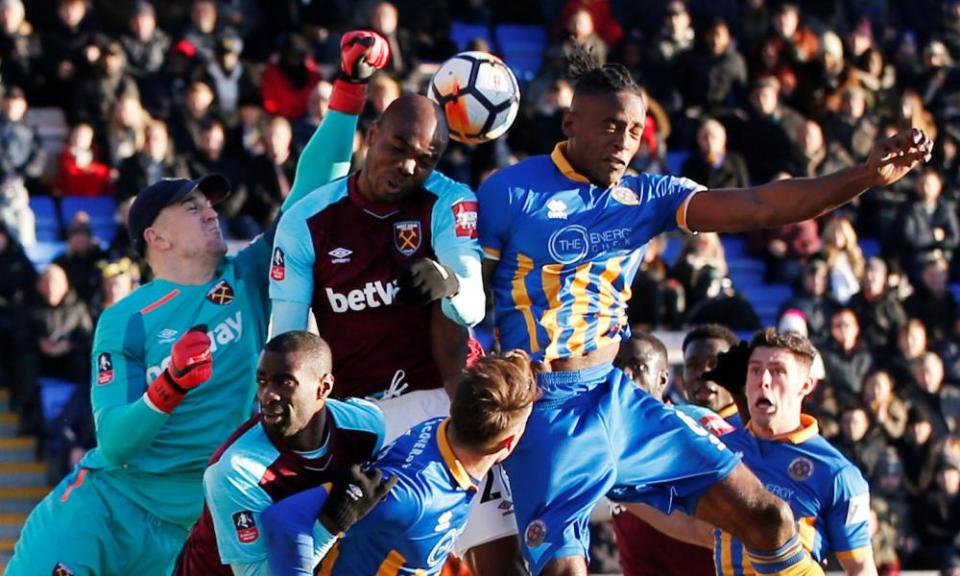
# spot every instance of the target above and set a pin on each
(591, 77)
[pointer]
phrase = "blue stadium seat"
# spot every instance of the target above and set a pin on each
(100, 208)
(522, 48)
(54, 394)
(870, 247)
(675, 161)
(105, 234)
(734, 246)
(462, 34)
(43, 253)
(672, 249)
(48, 222)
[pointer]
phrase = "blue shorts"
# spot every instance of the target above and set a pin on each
(595, 433)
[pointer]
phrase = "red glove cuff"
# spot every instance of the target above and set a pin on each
(163, 394)
(348, 97)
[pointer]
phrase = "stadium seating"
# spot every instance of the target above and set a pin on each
(48, 221)
(463, 33)
(101, 209)
(522, 48)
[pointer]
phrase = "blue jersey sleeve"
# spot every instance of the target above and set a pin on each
(454, 232)
(235, 502)
(848, 518)
(296, 541)
(494, 200)
(669, 197)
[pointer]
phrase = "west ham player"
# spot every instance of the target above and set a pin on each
(829, 496)
(378, 256)
(436, 465)
(564, 235)
(644, 550)
(129, 505)
(700, 349)
(300, 440)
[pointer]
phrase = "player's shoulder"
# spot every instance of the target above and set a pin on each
(316, 201)
(357, 415)
(707, 418)
(244, 461)
(524, 173)
(447, 189)
(652, 186)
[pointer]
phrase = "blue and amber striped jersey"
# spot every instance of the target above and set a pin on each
(828, 495)
(568, 250)
(410, 532)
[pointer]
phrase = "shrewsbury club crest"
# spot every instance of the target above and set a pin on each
(406, 236)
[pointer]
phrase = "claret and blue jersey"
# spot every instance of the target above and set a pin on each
(568, 250)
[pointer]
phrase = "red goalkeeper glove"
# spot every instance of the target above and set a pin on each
(191, 364)
(361, 54)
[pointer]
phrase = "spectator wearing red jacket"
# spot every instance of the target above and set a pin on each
(287, 83)
(79, 173)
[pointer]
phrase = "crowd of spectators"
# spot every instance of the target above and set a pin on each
(739, 92)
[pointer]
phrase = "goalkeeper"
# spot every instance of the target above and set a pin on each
(161, 411)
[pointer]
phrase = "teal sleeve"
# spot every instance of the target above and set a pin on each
(126, 425)
(454, 231)
(326, 156)
(254, 569)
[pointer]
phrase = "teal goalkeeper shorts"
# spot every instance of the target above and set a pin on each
(84, 527)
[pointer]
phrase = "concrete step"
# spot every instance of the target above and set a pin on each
(19, 474)
(10, 525)
(8, 424)
(21, 500)
(18, 449)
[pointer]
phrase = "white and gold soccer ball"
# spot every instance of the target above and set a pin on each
(479, 95)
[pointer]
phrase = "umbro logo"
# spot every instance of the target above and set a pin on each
(166, 336)
(557, 210)
(340, 255)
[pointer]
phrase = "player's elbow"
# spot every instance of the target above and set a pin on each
(771, 525)
(116, 453)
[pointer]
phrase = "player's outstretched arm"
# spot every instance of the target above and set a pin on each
(326, 156)
(794, 200)
(677, 525)
(126, 429)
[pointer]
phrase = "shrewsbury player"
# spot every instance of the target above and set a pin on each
(300, 439)
(828, 495)
(564, 235)
(129, 505)
(376, 255)
(436, 466)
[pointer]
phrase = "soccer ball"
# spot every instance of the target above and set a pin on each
(479, 96)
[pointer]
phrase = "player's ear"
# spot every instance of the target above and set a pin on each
(325, 387)
(154, 237)
(372, 133)
(569, 117)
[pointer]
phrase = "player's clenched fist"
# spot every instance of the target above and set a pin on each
(361, 54)
(352, 497)
(191, 364)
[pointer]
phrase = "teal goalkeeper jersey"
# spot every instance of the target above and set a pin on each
(132, 347)
(157, 460)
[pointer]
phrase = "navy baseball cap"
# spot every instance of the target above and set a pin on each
(154, 198)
